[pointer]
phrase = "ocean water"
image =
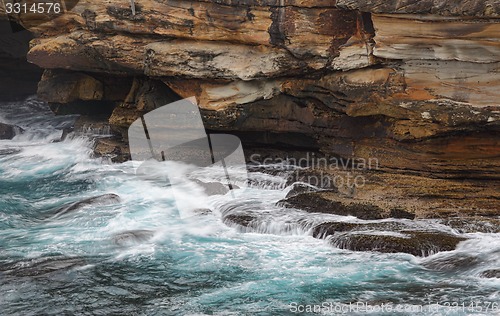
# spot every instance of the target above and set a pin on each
(194, 264)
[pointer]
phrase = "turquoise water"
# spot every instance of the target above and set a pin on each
(193, 264)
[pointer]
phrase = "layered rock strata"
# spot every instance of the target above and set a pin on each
(412, 84)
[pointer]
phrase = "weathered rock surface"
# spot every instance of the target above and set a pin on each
(487, 8)
(434, 38)
(388, 195)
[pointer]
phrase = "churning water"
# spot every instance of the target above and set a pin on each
(130, 252)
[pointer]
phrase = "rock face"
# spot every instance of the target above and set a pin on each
(412, 84)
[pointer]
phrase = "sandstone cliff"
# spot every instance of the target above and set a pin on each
(411, 83)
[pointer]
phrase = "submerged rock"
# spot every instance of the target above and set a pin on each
(105, 199)
(495, 273)
(132, 237)
(202, 211)
(42, 266)
(8, 131)
(452, 263)
(9, 151)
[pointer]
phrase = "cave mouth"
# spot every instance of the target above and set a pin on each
(18, 77)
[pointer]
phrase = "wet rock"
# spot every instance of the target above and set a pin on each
(132, 237)
(42, 266)
(317, 203)
(203, 211)
(66, 132)
(213, 188)
(9, 151)
(300, 188)
(326, 229)
(313, 177)
(452, 263)
(105, 199)
(473, 224)
(401, 213)
(491, 274)
(417, 243)
(8, 131)
(238, 219)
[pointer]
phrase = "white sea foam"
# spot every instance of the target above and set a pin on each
(263, 267)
